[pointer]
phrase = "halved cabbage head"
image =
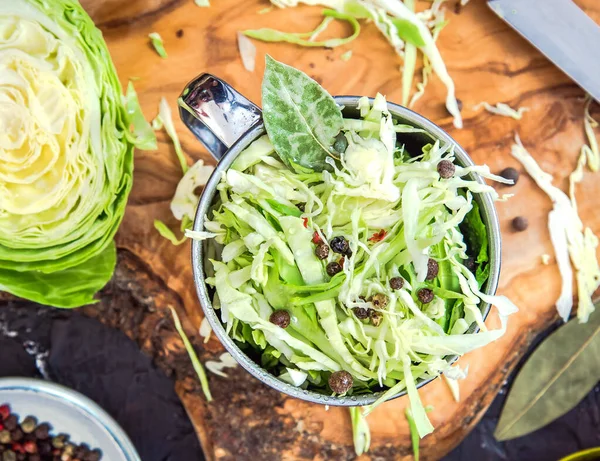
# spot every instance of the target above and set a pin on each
(66, 153)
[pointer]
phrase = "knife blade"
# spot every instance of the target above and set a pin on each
(562, 32)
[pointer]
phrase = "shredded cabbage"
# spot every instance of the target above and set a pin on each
(404, 29)
(346, 56)
(164, 119)
(205, 330)
(198, 368)
(410, 60)
(294, 377)
(158, 44)
(569, 239)
(399, 10)
(397, 214)
(360, 431)
(186, 195)
(247, 52)
(504, 110)
(308, 39)
(217, 367)
(183, 205)
(451, 377)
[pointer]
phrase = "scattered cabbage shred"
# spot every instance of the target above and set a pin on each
(157, 43)
(406, 31)
(183, 205)
(504, 109)
(360, 430)
(205, 330)
(396, 213)
(569, 238)
(217, 367)
(198, 368)
(451, 377)
(247, 52)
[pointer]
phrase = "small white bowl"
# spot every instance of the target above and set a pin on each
(70, 413)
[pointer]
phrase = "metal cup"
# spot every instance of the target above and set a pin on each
(227, 123)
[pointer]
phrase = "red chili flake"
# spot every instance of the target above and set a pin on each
(18, 448)
(342, 261)
(1, 427)
(316, 238)
(305, 222)
(378, 236)
(4, 411)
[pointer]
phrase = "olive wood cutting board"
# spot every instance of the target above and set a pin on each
(488, 61)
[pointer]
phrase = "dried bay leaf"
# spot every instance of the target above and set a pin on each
(561, 371)
(301, 118)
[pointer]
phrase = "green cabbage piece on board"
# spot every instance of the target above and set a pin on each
(66, 153)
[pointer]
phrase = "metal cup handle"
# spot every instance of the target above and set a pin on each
(217, 114)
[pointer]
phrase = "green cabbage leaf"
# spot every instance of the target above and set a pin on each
(66, 152)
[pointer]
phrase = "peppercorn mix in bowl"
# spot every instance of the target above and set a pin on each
(43, 421)
(351, 252)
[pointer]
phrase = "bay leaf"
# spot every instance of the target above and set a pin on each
(300, 117)
(560, 372)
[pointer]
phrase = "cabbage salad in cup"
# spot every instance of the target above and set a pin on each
(345, 263)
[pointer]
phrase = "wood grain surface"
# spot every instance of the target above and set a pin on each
(488, 62)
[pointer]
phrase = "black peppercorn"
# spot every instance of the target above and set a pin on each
(396, 283)
(446, 169)
(301, 207)
(510, 173)
(45, 447)
(81, 451)
(11, 423)
(433, 269)
(425, 295)
(322, 251)
(333, 268)
(179, 33)
(340, 382)
(341, 143)
(376, 317)
(380, 300)
(16, 435)
(94, 455)
(470, 264)
(361, 313)
(280, 318)
(42, 431)
(520, 223)
(340, 245)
